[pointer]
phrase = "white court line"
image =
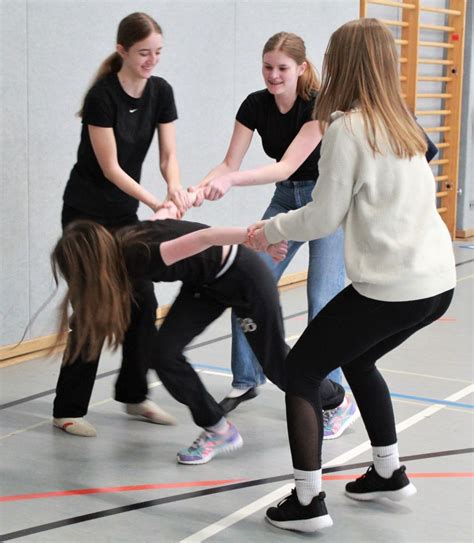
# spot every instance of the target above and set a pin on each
(255, 506)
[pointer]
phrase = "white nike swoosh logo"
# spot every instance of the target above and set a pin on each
(132, 110)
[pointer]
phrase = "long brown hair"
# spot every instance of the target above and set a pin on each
(360, 70)
(132, 29)
(99, 290)
(294, 47)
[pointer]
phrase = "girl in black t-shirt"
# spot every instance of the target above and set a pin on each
(282, 115)
(121, 111)
(213, 277)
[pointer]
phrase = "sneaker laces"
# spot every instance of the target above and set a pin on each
(291, 496)
(369, 470)
(199, 441)
(327, 415)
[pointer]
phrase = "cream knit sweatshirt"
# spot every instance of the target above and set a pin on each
(397, 247)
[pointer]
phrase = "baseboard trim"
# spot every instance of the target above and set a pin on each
(463, 234)
(41, 346)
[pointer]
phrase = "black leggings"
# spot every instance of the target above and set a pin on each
(353, 332)
(249, 288)
(76, 380)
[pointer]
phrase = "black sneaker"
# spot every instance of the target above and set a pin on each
(289, 514)
(371, 486)
(229, 404)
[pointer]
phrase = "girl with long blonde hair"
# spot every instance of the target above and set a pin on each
(374, 181)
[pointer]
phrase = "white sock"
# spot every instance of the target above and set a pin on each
(236, 392)
(308, 485)
(220, 428)
(386, 460)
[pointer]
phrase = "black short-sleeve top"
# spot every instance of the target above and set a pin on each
(134, 121)
(144, 261)
(259, 112)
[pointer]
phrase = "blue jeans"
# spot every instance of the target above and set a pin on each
(326, 275)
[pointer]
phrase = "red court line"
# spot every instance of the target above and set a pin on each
(339, 477)
(110, 489)
(448, 319)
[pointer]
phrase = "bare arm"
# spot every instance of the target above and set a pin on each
(105, 149)
(169, 167)
(191, 244)
(300, 148)
(238, 146)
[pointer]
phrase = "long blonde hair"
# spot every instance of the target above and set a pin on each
(132, 29)
(294, 47)
(99, 290)
(360, 70)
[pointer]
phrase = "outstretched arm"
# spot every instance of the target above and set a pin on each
(191, 244)
(300, 148)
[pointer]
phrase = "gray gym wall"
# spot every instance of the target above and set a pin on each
(50, 50)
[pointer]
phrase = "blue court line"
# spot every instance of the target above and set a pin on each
(392, 394)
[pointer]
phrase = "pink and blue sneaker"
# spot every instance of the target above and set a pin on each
(210, 444)
(337, 420)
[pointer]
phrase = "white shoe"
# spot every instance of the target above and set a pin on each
(76, 426)
(151, 412)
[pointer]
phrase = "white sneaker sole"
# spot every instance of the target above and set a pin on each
(303, 525)
(227, 449)
(394, 495)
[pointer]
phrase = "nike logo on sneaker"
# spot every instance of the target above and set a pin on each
(132, 110)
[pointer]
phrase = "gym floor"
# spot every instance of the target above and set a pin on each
(125, 485)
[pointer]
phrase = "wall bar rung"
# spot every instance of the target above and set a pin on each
(434, 95)
(393, 4)
(436, 44)
(401, 42)
(389, 22)
(434, 78)
(439, 161)
(442, 194)
(437, 27)
(435, 61)
(443, 144)
(442, 210)
(437, 129)
(441, 178)
(441, 10)
(402, 60)
(433, 112)
(403, 78)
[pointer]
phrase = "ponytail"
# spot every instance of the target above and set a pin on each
(111, 65)
(308, 82)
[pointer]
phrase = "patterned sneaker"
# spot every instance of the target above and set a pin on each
(371, 486)
(210, 444)
(336, 421)
(289, 514)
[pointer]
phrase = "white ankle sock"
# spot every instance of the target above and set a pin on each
(308, 485)
(220, 428)
(236, 392)
(386, 460)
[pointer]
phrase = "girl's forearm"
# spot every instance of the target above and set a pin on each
(262, 176)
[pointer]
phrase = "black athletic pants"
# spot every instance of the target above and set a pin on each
(353, 332)
(76, 379)
(249, 288)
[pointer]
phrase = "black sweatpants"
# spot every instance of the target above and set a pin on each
(76, 379)
(249, 288)
(353, 332)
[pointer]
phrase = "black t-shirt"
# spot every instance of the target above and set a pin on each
(277, 130)
(143, 258)
(134, 121)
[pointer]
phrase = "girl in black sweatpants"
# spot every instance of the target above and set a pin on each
(215, 276)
